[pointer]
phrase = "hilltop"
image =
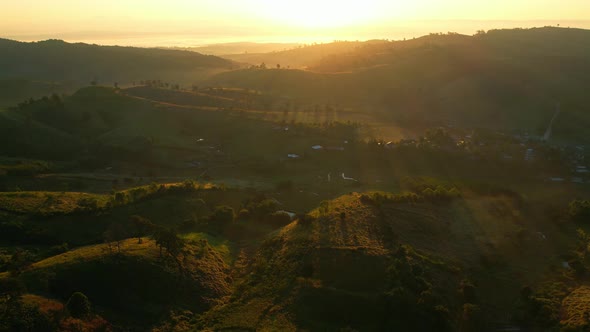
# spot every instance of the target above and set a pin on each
(56, 60)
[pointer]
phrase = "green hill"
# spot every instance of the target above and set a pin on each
(376, 262)
(56, 60)
(140, 298)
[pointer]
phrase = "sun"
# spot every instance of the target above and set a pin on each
(320, 13)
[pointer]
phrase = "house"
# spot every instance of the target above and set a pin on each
(293, 156)
(317, 147)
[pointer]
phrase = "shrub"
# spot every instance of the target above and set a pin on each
(366, 199)
(188, 224)
(579, 210)
(244, 214)
(468, 291)
(78, 305)
(472, 318)
(221, 218)
(279, 219)
(120, 197)
(60, 249)
(305, 219)
(11, 287)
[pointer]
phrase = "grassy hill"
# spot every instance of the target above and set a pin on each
(155, 286)
(437, 259)
(380, 262)
(56, 60)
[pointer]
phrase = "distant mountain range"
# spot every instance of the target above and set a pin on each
(56, 60)
(502, 78)
(239, 48)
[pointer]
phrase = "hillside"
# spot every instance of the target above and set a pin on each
(506, 79)
(376, 262)
(156, 285)
(14, 91)
(299, 57)
(55, 60)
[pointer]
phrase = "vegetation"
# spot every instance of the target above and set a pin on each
(350, 186)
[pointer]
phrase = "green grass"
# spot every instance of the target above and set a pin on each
(221, 245)
(129, 247)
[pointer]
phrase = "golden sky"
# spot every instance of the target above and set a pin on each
(89, 20)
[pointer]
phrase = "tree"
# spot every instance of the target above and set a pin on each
(78, 305)
(11, 288)
(143, 226)
(120, 197)
(468, 291)
(19, 260)
(115, 233)
(278, 66)
(472, 318)
(278, 219)
(169, 240)
(222, 216)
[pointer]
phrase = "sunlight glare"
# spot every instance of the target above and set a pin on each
(320, 13)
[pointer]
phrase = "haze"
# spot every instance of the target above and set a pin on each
(186, 23)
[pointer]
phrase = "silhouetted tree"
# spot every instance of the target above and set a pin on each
(168, 239)
(143, 226)
(11, 288)
(78, 305)
(222, 216)
(115, 233)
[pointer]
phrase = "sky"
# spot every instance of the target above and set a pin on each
(198, 22)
